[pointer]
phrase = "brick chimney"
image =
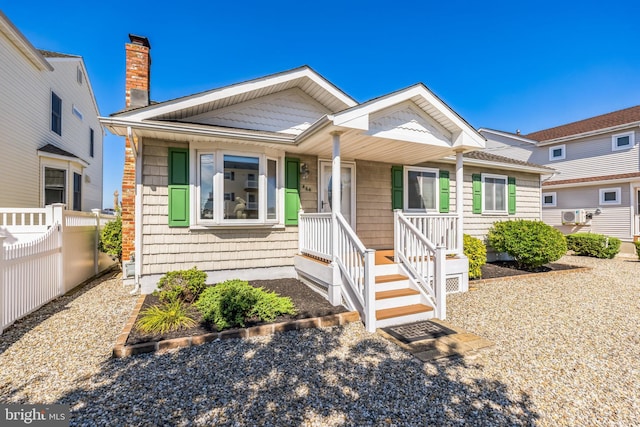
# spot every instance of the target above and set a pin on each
(137, 88)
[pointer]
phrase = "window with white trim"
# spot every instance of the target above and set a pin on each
(610, 196)
(622, 141)
(236, 187)
(549, 199)
(55, 184)
(557, 152)
(494, 193)
(421, 189)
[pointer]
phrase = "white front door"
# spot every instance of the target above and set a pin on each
(347, 181)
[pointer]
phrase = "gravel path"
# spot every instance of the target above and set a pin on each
(567, 353)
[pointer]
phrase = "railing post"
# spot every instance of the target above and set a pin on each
(440, 282)
(369, 289)
(301, 231)
(57, 216)
(96, 253)
(3, 308)
(396, 233)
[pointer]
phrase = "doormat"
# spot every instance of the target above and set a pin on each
(418, 331)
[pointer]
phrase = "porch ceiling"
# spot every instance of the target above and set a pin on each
(356, 145)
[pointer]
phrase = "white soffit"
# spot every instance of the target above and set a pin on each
(291, 111)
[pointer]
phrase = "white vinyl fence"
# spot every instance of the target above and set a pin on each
(38, 270)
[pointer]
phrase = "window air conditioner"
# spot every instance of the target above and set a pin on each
(574, 217)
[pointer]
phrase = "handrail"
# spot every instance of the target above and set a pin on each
(356, 263)
(416, 254)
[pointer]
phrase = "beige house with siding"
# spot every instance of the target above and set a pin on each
(365, 202)
(50, 135)
(597, 160)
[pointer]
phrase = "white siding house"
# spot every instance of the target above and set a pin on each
(598, 171)
(50, 135)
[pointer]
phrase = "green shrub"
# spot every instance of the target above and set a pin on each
(531, 243)
(111, 238)
(184, 285)
(232, 302)
(476, 251)
(637, 248)
(593, 245)
(167, 317)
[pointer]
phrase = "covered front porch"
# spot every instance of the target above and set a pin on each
(418, 234)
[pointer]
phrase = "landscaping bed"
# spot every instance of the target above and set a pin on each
(309, 304)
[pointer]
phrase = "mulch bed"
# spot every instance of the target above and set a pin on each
(493, 270)
(307, 302)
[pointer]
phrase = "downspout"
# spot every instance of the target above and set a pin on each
(138, 216)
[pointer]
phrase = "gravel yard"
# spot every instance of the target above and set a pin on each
(567, 353)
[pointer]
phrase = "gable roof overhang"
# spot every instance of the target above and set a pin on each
(303, 77)
(22, 44)
(53, 152)
(515, 136)
(408, 126)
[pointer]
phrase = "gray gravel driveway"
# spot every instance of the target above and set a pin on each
(567, 353)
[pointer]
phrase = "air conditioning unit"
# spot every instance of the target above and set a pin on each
(574, 217)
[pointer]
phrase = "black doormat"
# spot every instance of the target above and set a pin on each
(418, 331)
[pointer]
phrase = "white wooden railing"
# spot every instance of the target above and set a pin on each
(315, 231)
(441, 229)
(357, 264)
(636, 231)
(424, 261)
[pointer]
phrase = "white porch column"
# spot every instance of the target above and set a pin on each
(334, 291)
(459, 201)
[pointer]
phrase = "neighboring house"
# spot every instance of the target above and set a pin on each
(217, 180)
(50, 135)
(597, 185)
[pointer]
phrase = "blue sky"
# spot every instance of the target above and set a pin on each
(505, 65)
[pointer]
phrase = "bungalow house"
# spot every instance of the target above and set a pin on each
(596, 187)
(50, 135)
(288, 176)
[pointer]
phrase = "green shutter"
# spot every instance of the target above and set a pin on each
(397, 187)
(512, 195)
(291, 191)
(476, 180)
(178, 187)
(444, 191)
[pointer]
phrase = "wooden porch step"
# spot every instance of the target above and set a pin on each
(388, 313)
(390, 278)
(396, 293)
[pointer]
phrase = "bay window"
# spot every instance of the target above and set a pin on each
(236, 188)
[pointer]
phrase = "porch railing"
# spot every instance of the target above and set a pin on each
(356, 264)
(315, 231)
(424, 261)
(441, 229)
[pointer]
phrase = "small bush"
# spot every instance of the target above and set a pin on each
(476, 251)
(167, 317)
(637, 248)
(111, 238)
(232, 302)
(531, 243)
(593, 245)
(184, 285)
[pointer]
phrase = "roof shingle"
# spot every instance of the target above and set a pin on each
(483, 155)
(615, 118)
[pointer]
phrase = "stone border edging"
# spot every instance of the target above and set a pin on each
(576, 269)
(123, 350)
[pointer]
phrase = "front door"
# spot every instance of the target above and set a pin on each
(347, 181)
